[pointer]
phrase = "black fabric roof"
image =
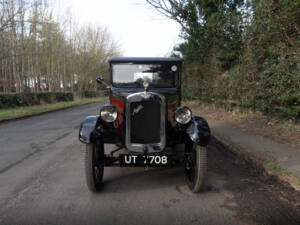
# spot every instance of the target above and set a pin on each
(143, 59)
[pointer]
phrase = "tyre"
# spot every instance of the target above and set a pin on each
(196, 167)
(94, 166)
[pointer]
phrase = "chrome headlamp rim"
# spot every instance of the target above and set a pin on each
(180, 118)
(108, 113)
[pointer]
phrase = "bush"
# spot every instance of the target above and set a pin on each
(47, 97)
(18, 99)
(89, 94)
(28, 99)
(289, 100)
(255, 63)
(189, 94)
(290, 113)
(64, 96)
(6, 101)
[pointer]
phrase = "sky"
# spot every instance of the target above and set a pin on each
(138, 28)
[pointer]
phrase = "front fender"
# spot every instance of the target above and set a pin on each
(198, 131)
(88, 125)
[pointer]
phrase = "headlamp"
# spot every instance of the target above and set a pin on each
(183, 115)
(109, 113)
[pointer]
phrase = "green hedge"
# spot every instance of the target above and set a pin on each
(64, 96)
(94, 94)
(28, 99)
(89, 94)
(47, 97)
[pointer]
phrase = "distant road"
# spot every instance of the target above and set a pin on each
(42, 182)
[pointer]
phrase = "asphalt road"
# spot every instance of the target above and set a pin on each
(42, 182)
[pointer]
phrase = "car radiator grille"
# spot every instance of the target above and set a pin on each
(145, 122)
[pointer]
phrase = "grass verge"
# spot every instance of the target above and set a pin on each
(8, 114)
(259, 164)
(290, 176)
(278, 129)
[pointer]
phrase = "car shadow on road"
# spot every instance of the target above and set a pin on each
(135, 179)
(121, 180)
(130, 180)
(252, 195)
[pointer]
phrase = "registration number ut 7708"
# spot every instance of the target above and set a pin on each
(144, 160)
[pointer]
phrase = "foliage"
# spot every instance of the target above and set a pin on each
(29, 99)
(290, 112)
(242, 51)
(6, 101)
(89, 94)
(47, 97)
(64, 96)
(289, 100)
(283, 172)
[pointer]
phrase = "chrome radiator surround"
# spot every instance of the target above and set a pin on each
(151, 147)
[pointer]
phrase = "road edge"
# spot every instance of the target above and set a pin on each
(259, 164)
(4, 121)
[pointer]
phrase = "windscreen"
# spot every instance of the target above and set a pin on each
(134, 75)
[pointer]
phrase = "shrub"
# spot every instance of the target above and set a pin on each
(6, 101)
(89, 94)
(290, 113)
(28, 99)
(189, 94)
(254, 63)
(47, 97)
(64, 96)
(289, 100)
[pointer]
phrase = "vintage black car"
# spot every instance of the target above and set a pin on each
(145, 117)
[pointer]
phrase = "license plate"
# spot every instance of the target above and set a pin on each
(151, 160)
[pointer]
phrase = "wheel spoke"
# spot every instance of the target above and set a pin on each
(197, 167)
(93, 166)
(190, 171)
(96, 172)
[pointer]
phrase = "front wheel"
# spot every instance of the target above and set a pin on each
(94, 166)
(196, 167)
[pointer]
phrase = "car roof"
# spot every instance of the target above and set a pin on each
(143, 59)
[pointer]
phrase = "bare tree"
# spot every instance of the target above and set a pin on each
(41, 53)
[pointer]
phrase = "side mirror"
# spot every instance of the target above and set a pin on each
(100, 80)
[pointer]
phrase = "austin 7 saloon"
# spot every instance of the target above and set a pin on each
(145, 119)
